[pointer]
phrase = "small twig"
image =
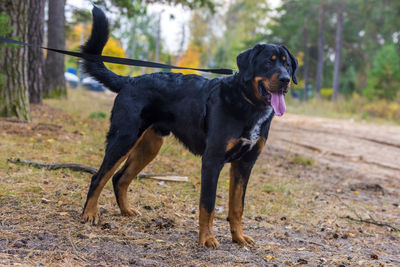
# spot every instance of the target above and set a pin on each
(361, 219)
(74, 247)
(347, 206)
(70, 241)
(372, 221)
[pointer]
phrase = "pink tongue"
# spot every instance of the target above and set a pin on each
(278, 104)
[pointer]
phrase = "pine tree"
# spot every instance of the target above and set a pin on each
(54, 67)
(35, 55)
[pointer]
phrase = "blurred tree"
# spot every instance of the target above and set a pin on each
(54, 67)
(338, 50)
(299, 33)
(201, 35)
(320, 59)
(191, 59)
(131, 8)
(366, 26)
(14, 95)
(244, 25)
(384, 77)
(35, 55)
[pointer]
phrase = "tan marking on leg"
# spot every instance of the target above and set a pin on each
(143, 153)
(260, 144)
(90, 213)
(206, 234)
(235, 213)
(231, 144)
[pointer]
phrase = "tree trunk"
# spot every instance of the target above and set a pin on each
(320, 61)
(54, 68)
(158, 40)
(306, 60)
(338, 52)
(14, 97)
(35, 55)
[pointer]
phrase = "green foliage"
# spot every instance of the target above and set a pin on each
(245, 24)
(384, 76)
(326, 93)
(4, 30)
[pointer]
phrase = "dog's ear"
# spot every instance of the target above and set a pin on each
(293, 62)
(245, 62)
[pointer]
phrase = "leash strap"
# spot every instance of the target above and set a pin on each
(117, 60)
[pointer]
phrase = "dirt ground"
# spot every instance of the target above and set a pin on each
(323, 193)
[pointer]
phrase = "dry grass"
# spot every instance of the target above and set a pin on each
(291, 210)
(355, 108)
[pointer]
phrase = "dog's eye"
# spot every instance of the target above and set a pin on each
(286, 65)
(268, 63)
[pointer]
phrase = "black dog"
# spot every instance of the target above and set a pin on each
(223, 119)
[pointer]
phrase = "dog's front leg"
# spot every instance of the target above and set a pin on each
(211, 167)
(239, 177)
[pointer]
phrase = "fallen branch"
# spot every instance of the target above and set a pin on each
(91, 170)
(54, 166)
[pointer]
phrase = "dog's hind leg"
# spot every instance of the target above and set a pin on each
(121, 141)
(144, 151)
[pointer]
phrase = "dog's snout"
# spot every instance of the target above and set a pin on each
(284, 79)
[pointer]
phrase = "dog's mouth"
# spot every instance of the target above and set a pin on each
(273, 97)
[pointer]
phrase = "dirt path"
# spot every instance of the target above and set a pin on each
(373, 150)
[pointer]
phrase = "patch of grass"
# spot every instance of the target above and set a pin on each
(33, 189)
(269, 188)
(302, 160)
(98, 115)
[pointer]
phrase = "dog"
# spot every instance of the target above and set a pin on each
(224, 120)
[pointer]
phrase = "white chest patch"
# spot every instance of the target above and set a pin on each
(254, 133)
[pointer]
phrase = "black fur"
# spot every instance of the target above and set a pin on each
(95, 45)
(203, 114)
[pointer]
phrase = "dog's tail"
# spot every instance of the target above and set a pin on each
(95, 45)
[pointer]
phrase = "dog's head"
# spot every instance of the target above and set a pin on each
(267, 70)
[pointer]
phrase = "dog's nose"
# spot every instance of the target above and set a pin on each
(284, 79)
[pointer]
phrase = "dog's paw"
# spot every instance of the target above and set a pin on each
(209, 242)
(243, 240)
(90, 217)
(130, 212)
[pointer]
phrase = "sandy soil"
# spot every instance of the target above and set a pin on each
(371, 150)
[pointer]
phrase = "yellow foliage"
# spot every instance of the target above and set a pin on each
(300, 58)
(326, 93)
(113, 48)
(298, 86)
(383, 109)
(191, 59)
(74, 37)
